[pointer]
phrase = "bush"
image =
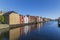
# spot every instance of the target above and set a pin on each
(1, 18)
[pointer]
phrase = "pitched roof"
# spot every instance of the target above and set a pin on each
(20, 15)
(8, 13)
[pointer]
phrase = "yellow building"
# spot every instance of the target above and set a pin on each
(11, 18)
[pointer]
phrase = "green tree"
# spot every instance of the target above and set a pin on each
(1, 18)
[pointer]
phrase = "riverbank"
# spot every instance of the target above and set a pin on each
(2, 26)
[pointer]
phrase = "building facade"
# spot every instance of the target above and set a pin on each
(11, 18)
(26, 19)
(37, 18)
(41, 19)
(31, 19)
(45, 19)
(21, 19)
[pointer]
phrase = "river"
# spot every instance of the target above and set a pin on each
(41, 31)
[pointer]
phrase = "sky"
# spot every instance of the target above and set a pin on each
(42, 8)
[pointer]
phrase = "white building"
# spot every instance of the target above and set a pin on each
(39, 19)
(25, 19)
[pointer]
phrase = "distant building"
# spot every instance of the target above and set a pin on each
(31, 19)
(37, 18)
(11, 18)
(41, 19)
(45, 19)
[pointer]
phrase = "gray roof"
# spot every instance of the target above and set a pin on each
(8, 13)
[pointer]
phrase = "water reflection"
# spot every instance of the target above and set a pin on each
(21, 31)
(26, 30)
(39, 27)
(4, 36)
(42, 31)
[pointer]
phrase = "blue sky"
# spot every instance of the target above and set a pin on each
(43, 8)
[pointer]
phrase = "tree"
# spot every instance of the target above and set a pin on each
(1, 18)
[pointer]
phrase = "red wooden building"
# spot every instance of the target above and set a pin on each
(21, 19)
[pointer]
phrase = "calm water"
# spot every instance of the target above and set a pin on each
(41, 31)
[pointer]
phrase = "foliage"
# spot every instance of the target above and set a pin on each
(1, 18)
